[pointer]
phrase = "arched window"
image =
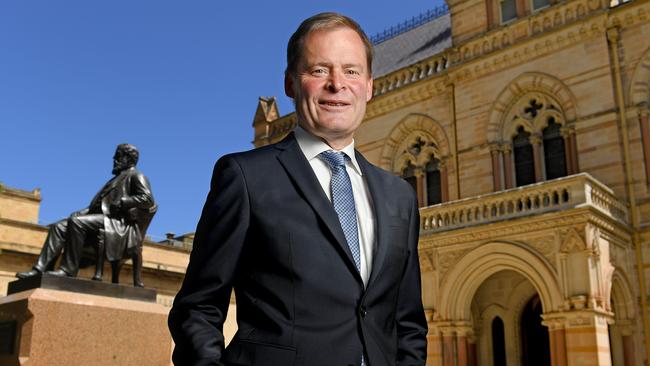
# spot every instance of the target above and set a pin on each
(433, 182)
(554, 154)
(524, 159)
(409, 176)
(498, 342)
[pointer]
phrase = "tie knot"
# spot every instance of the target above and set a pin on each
(333, 159)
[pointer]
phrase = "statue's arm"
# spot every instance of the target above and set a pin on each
(140, 195)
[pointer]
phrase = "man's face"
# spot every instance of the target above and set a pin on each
(120, 162)
(332, 84)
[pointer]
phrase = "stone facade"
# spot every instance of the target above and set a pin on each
(570, 253)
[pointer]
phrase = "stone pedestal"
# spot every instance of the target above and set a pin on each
(44, 326)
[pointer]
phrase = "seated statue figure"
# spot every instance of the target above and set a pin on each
(116, 221)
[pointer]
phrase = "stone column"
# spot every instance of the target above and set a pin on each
(495, 151)
(536, 142)
(574, 151)
(568, 155)
(645, 138)
(448, 348)
(586, 338)
(444, 184)
(419, 183)
(471, 351)
(462, 345)
(490, 14)
(521, 8)
(557, 341)
(507, 165)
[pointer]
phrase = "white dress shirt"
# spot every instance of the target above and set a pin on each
(312, 146)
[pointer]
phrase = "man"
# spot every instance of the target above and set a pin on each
(111, 218)
(319, 245)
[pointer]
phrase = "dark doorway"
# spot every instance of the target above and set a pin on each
(535, 349)
(498, 343)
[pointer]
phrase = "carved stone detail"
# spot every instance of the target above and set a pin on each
(573, 242)
(449, 258)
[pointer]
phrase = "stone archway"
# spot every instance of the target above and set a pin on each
(622, 332)
(460, 284)
(468, 278)
(503, 299)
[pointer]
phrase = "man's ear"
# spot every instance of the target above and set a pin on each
(288, 86)
(369, 90)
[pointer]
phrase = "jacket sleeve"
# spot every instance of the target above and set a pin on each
(411, 322)
(200, 307)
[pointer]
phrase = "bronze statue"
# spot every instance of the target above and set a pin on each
(115, 221)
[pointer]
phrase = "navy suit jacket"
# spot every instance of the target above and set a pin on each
(268, 231)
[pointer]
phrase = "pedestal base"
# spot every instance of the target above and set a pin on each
(52, 327)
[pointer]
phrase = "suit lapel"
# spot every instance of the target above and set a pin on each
(374, 181)
(294, 162)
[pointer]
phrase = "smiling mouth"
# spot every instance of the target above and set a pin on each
(333, 104)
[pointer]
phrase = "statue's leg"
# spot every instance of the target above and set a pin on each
(116, 266)
(99, 268)
(54, 243)
(137, 267)
(78, 228)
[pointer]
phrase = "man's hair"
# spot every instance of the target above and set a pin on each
(130, 151)
(322, 21)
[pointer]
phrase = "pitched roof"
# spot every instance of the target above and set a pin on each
(412, 46)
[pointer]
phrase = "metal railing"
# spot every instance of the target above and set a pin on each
(409, 24)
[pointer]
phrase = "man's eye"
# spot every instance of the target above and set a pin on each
(352, 72)
(319, 71)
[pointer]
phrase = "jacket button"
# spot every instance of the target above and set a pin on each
(362, 311)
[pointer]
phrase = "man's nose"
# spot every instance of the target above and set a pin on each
(336, 82)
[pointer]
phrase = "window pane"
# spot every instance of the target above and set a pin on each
(434, 189)
(554, 154)
(524, 161)
(409, 176)
(508, 10)
(538, 4)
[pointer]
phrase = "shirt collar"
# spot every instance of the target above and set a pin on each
(311, 146)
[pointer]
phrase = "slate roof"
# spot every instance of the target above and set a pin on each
(412, 46)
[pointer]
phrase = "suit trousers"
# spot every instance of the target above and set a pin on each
(68, 235)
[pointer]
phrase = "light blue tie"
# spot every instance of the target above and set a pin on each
(343, 201)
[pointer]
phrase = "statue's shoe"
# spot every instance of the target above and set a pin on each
(27, 274)
(59, 273)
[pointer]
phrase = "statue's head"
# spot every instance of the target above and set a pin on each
(126, 156)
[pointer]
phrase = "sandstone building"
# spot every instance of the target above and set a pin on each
(523, 127)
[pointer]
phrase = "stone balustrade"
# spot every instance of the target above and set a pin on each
(555, 195)
(418, 71)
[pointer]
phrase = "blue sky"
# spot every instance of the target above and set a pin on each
(178, 79)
